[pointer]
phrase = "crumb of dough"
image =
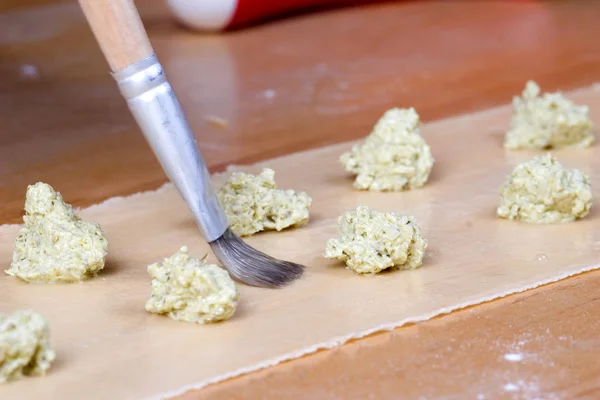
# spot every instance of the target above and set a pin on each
(55, 245)
(370, 241)
(24, 345)
(188, 289)
(217, 121)
(394, 157)
(547, 121)
(253, 204)
(543, 191)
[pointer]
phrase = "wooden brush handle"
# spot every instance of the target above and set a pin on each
(119, 31)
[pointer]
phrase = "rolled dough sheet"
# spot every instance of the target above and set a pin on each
(107, 346)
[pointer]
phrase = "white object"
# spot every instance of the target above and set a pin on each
(513, 357)
(203, 14)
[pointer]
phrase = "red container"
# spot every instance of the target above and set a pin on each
(217, 15)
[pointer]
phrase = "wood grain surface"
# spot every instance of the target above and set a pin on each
(280, 89)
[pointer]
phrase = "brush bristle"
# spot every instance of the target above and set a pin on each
(252, 267)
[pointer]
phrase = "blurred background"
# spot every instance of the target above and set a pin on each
(267, 87)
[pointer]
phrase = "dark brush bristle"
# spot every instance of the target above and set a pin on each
(252, 267)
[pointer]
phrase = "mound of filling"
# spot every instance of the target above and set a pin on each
(188, 289)
(55, 245)
(394, 157)
(24, 345)
(547, 121)
(543, 191)
(370, 241)
(253, 204)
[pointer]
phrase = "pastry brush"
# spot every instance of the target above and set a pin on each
(141, 79)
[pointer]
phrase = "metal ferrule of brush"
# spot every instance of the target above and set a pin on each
(157, 111)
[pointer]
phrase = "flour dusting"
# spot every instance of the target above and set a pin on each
(29, 71)
(268, 94)
(513, 357)
(511, 387)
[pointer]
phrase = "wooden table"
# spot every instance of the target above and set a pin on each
(281, 90)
